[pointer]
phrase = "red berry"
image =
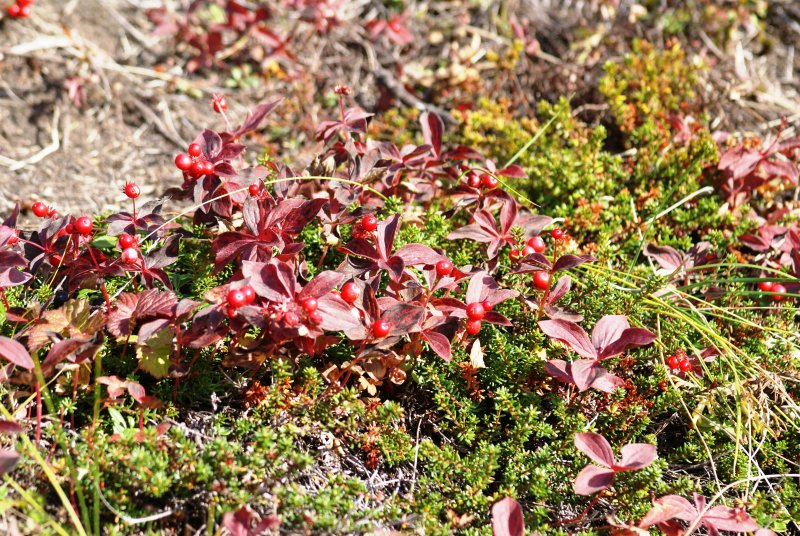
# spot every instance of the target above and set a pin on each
(514, 255)
(249, 294)
(369, 222)
(24, 11)
(673, 362)
(56, 259)
(253, 189)
(40, 209)
(131, 190)
(766, 286)
(444, 268)
(541, 280)
(13, 10)
(685, 365)
(69, 229)
(528, 250)
(130, 255)
(537, 243)
(219, 103)
(558, 234)
(475, 311)
(83, 225)
(489, 181)
(350, 292)
(230, 311)
(126, 241)
(52, 213)
(316, 317)
(197, 169)
(208, 167)
(487, 306)
(194, 149)
(380, 328)
(24, 3)
(236, 298)
(183, 162)
(473, 180)
(473, 327)
(310, 305)
(779, 291)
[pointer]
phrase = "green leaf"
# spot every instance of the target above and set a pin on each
(154, 357)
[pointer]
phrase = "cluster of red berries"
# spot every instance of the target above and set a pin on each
(193, 163)
(475, 180)
(20, 9)
(40, 210)
(679, 361)
(535, 244)
(130, 248)
(239, 297)
(475, 313)
(350, 293)
(310, 306)
(777, 289)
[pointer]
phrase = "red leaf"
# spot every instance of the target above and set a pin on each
(418, 254)
(636, 456)
(570, 334)
(8, 459)
(439, 344)
(507, 519)
(255, 117)
(15, 353)
(432, 129)
(593, 479)
(565, 262)
(321, 285)
(596, 447)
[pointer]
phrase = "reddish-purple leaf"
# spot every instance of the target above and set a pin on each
(570, 334)
(730, 519)
(636, 456)
(608, 330)
(596, 447)
(593, 479)
(630, 338)
(507, 519)
(667, 257)
(565, 262)
(10, 427)
(14, 352)
(10, 276)
(403, 318)
(432, 129)
(439, 344)
(8, 459)
(211, 144)
(322, 284)
(255, 117)
(418, 254)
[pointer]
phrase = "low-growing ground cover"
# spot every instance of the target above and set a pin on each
(458, 320)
